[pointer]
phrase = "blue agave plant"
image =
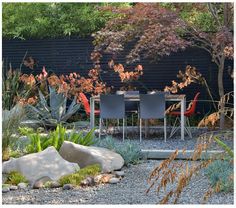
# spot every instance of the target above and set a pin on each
(54, 113)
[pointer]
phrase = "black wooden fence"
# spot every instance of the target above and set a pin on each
(73, 55)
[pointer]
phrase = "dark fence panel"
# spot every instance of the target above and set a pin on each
(73, 55)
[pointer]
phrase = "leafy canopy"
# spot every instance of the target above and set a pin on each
(49, 20)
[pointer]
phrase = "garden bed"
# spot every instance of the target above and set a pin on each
(130, 190)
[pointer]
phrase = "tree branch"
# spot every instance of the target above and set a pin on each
(213, 12)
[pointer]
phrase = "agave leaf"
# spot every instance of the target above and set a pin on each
(38, 111)
(57, 102)
(43, 101)
(68, 114)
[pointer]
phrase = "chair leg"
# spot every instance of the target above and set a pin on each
(165, 129)
(174, 128)
(140, 129)
(188, 128)
(146, 129)
(123, 129)
(100, 127)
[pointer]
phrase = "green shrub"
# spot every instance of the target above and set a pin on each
(35, 143)
(76, 178)
(80, 138)
(56, 138)
(15, 177)
(220, 173)
(130, 152)
(25, 131)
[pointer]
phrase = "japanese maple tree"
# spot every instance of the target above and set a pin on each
(158, 29)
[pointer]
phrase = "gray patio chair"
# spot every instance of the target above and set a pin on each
(130, 106)
(152, 106)
(112, 107)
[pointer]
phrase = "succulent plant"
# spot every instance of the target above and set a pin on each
(54, 113)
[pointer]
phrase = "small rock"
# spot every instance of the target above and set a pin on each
(114, 180)
(13, 188)
(67, 187)
(5, 189)
(22, 185)
(89, 181)
(103, 178)
(55, 184)
(38, 184)
(120, 173)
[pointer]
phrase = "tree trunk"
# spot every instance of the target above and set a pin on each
(221, 92)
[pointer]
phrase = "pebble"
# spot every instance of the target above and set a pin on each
(114, 180)
(67, 187)
(22, 185)
(13, 188)
(38, 184)
(120, 173)
(130, 190)
(89, 181)
(55, 184)
(5, 189)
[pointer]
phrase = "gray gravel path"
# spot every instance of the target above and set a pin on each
(131, 190)
(156, 140)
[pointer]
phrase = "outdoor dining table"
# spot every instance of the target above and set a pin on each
(168, 97)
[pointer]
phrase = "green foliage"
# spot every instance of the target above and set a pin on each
(10, 87)
(80, 138)
(10, 123)
(224, 146)
(76, 178)
(220, 174)
(35, 143)
(15, 177)
(56, 112)
(56, 138)
(43, 20)
(25, 130)
(130, 152)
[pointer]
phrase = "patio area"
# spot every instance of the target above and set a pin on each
(118, 103)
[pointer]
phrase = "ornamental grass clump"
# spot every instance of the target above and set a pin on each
(179, 174)
(15, 178)
(76, 178)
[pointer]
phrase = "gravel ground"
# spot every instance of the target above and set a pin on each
(130, 190)
(155, 140)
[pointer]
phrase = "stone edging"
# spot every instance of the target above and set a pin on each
(164, 154)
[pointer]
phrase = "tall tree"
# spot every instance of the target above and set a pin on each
(159, 29)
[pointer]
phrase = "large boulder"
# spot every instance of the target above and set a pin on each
(46, 164)
(85, 156)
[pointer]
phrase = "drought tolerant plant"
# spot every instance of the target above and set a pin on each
(10, 123)
(76, 178)
(80, 138)
(220, 174)
(56, 112)
(130, 152)
(56, 138)
(181, 173)
(15, 177)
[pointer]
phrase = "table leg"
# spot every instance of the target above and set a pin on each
(183, 107)
(92, 113)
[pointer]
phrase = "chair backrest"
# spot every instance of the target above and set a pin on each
(130, 92)
(130, 106)
(85, 102)
(112, 106)
(193, 104)
(152, 105)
